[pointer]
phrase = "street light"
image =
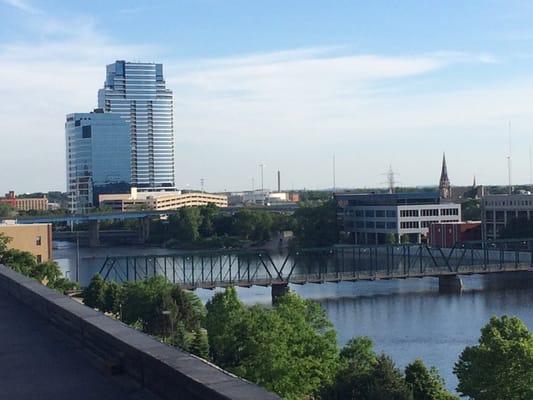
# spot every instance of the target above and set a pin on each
(171, 320)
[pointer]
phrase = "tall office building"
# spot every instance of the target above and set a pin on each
(137, 92)
(97, 157)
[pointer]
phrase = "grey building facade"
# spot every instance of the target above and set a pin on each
(378, 218)
(498, 210)
(137, 92)
(98, 160)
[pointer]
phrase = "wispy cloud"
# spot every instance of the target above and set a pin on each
(22, 5)
(290, 109)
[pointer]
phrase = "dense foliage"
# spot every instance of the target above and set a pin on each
(364, 375)
(208, 226)
(518, 229)
(471, 210)
(316, 226)
(290, 348)
(48, 273)
(155, 306)
(501, 365)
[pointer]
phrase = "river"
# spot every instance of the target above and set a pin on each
(406, 319)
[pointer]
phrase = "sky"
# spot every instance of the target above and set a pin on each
(289, 84)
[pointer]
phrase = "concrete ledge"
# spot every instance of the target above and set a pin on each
(164, 370)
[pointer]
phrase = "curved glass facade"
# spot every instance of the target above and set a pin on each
(137, 92)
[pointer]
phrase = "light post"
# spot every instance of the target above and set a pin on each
(169, 314)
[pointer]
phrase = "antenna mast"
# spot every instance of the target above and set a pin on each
(334, 183)
(510, 189)
(530, 166)
(390, 180)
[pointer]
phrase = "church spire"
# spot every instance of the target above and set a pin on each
(444, 183)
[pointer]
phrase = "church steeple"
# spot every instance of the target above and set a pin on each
(444, 183)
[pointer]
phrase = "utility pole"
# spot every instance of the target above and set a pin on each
(530, 166)
(77, 256)
(202, 184)
(262, 166)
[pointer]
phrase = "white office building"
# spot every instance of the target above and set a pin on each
(376, 218)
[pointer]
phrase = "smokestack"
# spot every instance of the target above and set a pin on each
(279, 182)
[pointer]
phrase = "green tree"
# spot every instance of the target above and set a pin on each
(224, 313)
(207, 225)
(387, 382)
(501, 365)
(425, 383)
(290, 349)
(518, 228)
(47, 273)
(391, 238)
(6, 211)
(93, 294)
(4, 241)
(471, 210)
(404, 239)
(111, 297)
(200, 344)
(148, 301)
(18, 260)
(363, 375)
(316, 226)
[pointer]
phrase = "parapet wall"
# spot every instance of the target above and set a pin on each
(164, 370)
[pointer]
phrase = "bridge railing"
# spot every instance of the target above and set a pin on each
(209, 269)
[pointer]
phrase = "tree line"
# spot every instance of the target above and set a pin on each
(211, 227)
(291, 348)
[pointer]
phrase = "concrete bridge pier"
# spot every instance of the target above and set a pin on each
(144, 229)
(278, 290)
(94, 233)
(450, 284)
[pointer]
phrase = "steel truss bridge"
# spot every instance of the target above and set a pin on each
(212, 269)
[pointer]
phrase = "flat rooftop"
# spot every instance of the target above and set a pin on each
(39, 362)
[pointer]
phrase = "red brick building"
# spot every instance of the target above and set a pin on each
(446, 234)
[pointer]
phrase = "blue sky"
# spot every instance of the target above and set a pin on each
(284, 83)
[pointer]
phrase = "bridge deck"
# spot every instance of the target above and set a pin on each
(344, 277)
(37, 362)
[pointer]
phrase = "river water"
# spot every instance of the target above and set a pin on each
(406, 319)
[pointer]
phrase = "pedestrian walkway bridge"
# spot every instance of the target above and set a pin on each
(211, 269)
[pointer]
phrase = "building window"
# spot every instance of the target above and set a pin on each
(39, 258)
(391, 225)
(380, 213)
(408, 213)
(369, 213)
(38, 240)
(391, 213)
(409, 225)
(449, 211)
(86, 132)
(430, 212)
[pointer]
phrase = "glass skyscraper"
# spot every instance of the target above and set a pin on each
(137, 92)
(98, 159)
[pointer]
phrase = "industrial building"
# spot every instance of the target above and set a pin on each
(25, 203)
